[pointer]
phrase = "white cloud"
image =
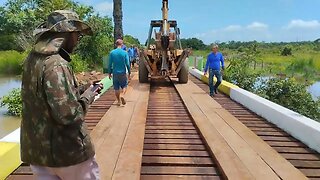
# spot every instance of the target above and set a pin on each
(105, 8)
(295, 30)
(253, 31)
(257, 26)
(201, 35)
(233, 28)
(298, 23)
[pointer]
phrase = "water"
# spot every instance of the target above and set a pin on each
(314, 90)
(8, 123)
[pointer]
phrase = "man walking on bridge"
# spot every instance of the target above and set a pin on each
(214, 63)
(131, 55)
(119, 65)
(54, 140)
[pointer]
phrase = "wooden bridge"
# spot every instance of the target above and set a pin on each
(177, 131)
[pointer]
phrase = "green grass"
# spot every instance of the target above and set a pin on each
(203, 53)
(273, 62)
(11, 62)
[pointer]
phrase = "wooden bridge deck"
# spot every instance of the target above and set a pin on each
(176, 131)
(239, 153)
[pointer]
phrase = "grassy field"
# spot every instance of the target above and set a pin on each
(272, 62)
(11, 62)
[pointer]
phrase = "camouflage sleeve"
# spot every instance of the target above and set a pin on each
(66, 105)
(83, 88)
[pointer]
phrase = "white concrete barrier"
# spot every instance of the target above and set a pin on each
(302, 128)
(299, 126)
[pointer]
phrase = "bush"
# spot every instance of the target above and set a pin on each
(286, 51)
(11, 62)
(306, 67)
(78, 64)
(292, 95)
(93, 48)
(13, 102)
(8, 42)
(240, 73)
(285, 92)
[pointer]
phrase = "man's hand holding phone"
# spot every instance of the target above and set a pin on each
(97, 87)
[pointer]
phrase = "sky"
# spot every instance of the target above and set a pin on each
(222, 20)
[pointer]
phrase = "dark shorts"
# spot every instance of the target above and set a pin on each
(120, 81)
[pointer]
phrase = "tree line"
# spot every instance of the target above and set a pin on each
(18, 19)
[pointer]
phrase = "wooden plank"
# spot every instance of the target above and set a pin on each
(166, 131)
(169, 116)
(246, 144)
(228, 124)
(109, 134)
(174, 147)
(259, 125)
(172, 136)
(165, 110)
(315, 173)
(175, 177)
(160, 119)
(254, 123)
(230, 164)
(294, 156)
(166, 114)
(306, 164)
(177, 153)
(293, 150)
(278, 133)
(169, 124)
(23, 170)
(130, 158)
(285, 144)
(257, 167)
(281, 166)
(270, 129)
(276, 138)
(177, 170)
(199, 161)
(171, 127)
(172, 141)
(103, 127)
(168, 108)
(21, 177)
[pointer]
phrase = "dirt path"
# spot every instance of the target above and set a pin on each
(87, 78)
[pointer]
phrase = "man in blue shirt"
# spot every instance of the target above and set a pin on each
(119, 66)
(124, 47)
(214, 62)
(131, 55)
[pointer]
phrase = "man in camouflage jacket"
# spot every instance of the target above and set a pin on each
(53, 132)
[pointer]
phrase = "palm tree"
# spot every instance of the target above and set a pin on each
(117, 18)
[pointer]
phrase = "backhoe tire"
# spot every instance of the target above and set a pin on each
(183, 74)
(143, 72)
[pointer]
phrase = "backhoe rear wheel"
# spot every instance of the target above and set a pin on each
(143, 72)
(183, 74)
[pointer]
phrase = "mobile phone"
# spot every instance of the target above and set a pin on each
(96, 85)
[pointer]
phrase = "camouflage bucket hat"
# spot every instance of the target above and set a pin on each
(62, 21)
